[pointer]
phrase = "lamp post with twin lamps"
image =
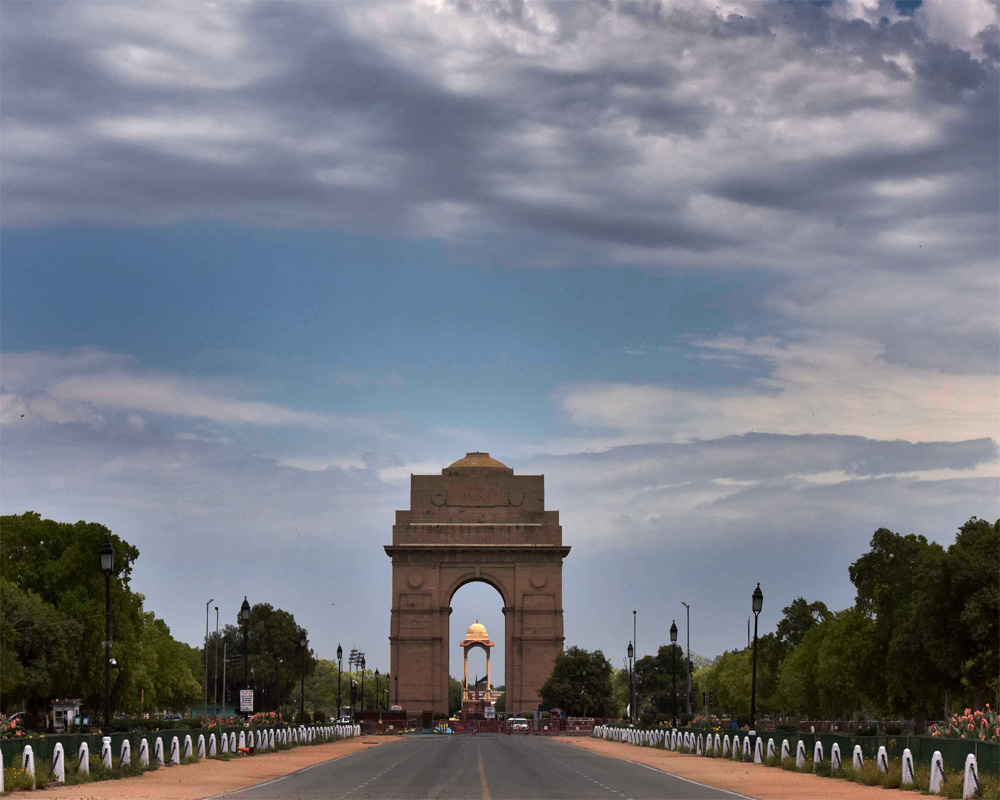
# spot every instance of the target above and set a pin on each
(302, 668)
(340, 656)
(631, 685)
(673, 663)
(757, 604)
(362, 685)
(245, 619)
(107, 563)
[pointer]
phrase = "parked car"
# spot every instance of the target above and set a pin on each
(172, 717)
(519, 725)
(342, 721)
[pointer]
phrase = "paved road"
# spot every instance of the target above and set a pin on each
(484, 767)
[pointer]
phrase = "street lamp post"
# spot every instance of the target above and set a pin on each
(673, 665)
(207, 605)
(107, 563)
(378, 697)
(687, 667)
(362, 685)
(302, 667)
(758, 603)
(340, 656)
(631, 685)
(215, 671)
(245, 619)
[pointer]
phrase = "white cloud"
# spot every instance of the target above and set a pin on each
(838, 384)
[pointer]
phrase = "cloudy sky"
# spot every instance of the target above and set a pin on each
(725, 272)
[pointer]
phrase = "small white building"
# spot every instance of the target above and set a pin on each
(63, 713)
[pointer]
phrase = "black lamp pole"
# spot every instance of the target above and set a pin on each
(362, 684)
(673, 665)
(245, 618)
(340, 656)
(758, 604)
(107, 563)
(631, 685)
(378, 698)
(302, 667)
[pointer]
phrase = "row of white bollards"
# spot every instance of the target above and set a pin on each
(705, 744)
(259, 739)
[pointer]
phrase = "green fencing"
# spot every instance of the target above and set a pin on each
(953, 750)
(44, 746)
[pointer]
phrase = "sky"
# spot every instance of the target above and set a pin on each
(725, 273)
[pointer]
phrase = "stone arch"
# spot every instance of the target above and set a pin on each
(476, 522)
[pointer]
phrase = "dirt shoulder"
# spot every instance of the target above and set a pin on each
(753, 780)
(211, 777)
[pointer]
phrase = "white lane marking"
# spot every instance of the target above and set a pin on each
(380, 774)
(592, 780)
(661, 771)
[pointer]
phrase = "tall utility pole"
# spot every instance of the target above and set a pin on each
(215, 671)
(687, 667)
(210, 601)
(635, 715)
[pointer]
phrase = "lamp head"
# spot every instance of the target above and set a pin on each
(107, 557)
(376, 673)
(302, 639)
(630, 650)
(245, 610)
(673, 632)
(758, 599)
(340, 652)
(362, 662)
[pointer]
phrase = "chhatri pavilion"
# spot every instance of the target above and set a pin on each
(475, 700)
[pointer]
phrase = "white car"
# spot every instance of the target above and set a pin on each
(519, 725)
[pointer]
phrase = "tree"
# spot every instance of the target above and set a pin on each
(580, 684)
(974, 564)
(654, 679)
(454, 696)
(798, 618)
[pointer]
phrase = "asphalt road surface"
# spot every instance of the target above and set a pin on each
(484, 767)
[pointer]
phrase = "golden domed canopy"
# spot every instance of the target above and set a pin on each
(478, 460)
(477, 631)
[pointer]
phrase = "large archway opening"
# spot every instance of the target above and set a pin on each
(475, 602)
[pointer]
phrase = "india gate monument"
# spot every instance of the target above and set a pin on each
(477, 521)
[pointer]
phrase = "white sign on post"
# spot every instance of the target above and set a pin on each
(246, 699)
(490, 712)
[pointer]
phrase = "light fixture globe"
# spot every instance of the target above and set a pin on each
(630, 650)
(673, 632)
(107, 557)
(245, 610)
(302, 640)
(758, 599)
(340, 652)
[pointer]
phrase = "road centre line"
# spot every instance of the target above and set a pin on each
(482, 774)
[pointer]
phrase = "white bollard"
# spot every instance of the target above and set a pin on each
(700, 746)
(970, 782)
(857, 760)
(83, 758)
(718, 743)
(835, 756)
(1, 772)
(817, 754)
(212, 751)
(242, 740)
(758, 751)
(708, 744)
(106, 751)
(201, 746)
(786, 751)
(800, 754)
(770, 749)
(58, 764)
(725, 746)
(28, 762)
(125, 753)
(937, 772)
(158, 751)
(232, 741)
(270, 739)
(736, 747)
(746, 748)
(144, 752)
(225, 743)
(882, 760)
(188, 747)
(908, 774)
(175, 751)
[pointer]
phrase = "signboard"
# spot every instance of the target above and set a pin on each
(396, 708)
(246, 699)
(490, 712)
